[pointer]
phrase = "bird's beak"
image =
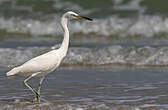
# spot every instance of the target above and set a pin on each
(82, 17)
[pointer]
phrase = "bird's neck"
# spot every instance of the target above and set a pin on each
(65, 42)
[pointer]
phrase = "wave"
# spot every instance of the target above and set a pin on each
(38, 21)
(96, 56)
(143, 26)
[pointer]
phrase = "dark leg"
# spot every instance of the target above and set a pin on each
(39, 88)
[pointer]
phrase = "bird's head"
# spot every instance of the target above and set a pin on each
(73, 15)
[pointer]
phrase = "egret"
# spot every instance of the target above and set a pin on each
(47, 62)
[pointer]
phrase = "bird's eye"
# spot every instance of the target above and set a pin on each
(73, 15)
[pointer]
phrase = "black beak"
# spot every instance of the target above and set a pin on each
(82, 17)
(86, 18)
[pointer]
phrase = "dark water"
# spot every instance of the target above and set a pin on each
(93, 89)
(116, 62)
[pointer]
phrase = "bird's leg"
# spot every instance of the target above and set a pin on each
(34, 92)
(38, 96)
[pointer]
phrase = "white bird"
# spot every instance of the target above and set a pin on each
(48, 62)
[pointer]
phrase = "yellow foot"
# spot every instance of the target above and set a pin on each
(36, 99)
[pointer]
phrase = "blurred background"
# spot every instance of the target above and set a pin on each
(126, 32)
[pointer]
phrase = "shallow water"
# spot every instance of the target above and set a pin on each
(93, 89)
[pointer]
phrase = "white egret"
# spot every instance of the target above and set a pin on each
(48, 62)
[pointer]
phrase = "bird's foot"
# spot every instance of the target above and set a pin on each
(36, 99)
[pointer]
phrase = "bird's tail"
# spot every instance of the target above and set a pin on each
(12, 72)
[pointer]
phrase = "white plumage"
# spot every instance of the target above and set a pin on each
(48, 62)
(42, 64)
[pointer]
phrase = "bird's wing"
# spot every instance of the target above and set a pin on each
(42, 63)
